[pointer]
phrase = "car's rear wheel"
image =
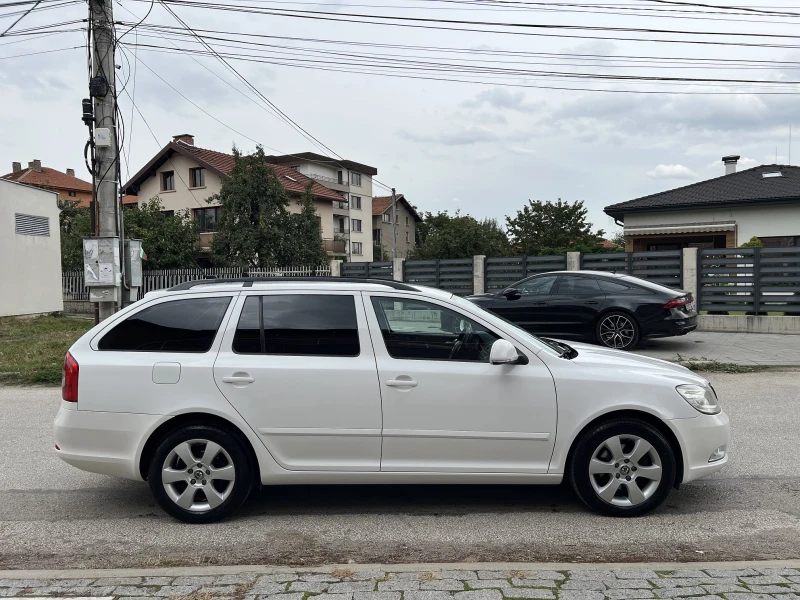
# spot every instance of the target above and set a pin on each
(200, 474)
(618, 330)
(623, 467)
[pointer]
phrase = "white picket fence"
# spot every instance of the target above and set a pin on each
(74, 290)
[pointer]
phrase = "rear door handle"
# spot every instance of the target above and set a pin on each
(401, 383)
(591, 302)
(238, 379)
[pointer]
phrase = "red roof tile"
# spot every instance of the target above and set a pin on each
(380, 204)
(49, 178)
(292, 181)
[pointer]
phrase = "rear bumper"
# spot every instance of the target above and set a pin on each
(100, 442)
(670, 327)
(699, 438)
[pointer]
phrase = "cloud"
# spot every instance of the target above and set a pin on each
(671, 172)
(504, 99)
(463, 137)
(520, 150)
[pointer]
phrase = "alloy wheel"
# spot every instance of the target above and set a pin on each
(198, 475)
(625, 470)
(617, 331)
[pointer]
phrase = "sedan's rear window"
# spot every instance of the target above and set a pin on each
(178, 326)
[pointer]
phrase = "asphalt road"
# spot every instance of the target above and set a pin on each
(54, 516)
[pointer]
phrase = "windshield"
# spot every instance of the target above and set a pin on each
(518, 331)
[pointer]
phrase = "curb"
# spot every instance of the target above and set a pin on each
(399, 568)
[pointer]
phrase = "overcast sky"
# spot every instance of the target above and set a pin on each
(483, 148)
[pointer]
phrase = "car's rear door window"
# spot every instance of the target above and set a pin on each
(188, 325)
(578, 286)
(298, 325)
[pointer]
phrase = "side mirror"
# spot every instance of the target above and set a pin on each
(503, 353)
(511, 293)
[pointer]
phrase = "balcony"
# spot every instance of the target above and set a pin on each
(331, 182)
(342, 230)
(335, 246)
(342, 205)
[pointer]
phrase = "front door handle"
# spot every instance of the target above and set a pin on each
(591, 302)
(240, 379)
(401, 383)
(539, 304)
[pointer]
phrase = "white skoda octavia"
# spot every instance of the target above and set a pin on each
(213, 388)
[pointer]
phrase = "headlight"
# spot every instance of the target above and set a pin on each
(701, 398)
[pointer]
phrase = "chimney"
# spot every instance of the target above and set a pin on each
(71, 172)
(36, 165)
(730, 163)
(16, 167)
(186, 138)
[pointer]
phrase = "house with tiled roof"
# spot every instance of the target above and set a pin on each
(184, 176)
(383, 229)
(64, 183)
(724, 212)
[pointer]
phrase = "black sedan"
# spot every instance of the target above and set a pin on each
(615, 310)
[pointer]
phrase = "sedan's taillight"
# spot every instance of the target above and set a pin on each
(69, 379)
(677, 302)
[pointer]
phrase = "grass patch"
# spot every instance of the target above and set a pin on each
(32, 349)
(714, 366)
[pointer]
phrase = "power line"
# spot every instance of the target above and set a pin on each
(40, 52)
(25, 14)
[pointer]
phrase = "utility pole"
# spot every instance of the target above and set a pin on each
(102, 88)
(394, 224)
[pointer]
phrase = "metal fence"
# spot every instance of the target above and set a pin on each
(749, 280)
(500, 273)
(453, 274)
(664, 267)
(73, 289)
(372, 270)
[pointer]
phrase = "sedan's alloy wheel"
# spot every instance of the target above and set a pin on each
(617, 331)
(198, 475)
(625, 470)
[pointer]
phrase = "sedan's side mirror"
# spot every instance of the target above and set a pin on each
(503, 353)
(511, 293)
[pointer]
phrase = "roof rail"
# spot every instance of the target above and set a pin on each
(249, 281)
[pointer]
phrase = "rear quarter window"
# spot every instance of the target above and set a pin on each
(188, 325)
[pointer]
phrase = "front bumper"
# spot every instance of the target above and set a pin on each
(101, 442)
(699, 437)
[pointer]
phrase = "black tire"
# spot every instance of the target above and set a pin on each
(585, 450)
(613, 318)
(232, 451)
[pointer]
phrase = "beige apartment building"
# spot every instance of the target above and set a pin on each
(383, 230)
(185, 176)
(352, 215)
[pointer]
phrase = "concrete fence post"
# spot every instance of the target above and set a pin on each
(336, 268)
(478, 272)
(573, 261)
(397, 268)
(691, 278)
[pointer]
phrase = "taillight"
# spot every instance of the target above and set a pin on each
(677, 302)
(69, 379)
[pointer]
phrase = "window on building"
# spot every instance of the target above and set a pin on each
(298, 325)
(408, 237)
(167, 181)
(72, 194)
(406, 221)
(197, 177)
(387, 218)
(177, 326)
(424, 331)
(355, 202)
(357, 248)
(355, 179)
(168, 213)
(787, 241)
(207, 219)
(376, 236)
(356, 224)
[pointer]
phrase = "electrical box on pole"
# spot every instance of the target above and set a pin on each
(133, 270)
(101, 268)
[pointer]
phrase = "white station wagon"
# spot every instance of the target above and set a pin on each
(212, 388)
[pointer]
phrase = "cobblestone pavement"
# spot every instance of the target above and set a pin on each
(490, 584)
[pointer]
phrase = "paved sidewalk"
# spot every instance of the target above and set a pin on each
(720, 581)
(740, 348)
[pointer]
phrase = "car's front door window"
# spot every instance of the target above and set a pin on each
(539, 286)
(413, 329)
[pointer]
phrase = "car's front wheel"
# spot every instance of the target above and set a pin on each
(623, 467)
(618, 330)
(200, 474)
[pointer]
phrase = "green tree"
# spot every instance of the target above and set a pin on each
(553, 228)
(754, 242)
(303, 236)
(168, 240)
(619, 239)
(458, 236)
(75, 224)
